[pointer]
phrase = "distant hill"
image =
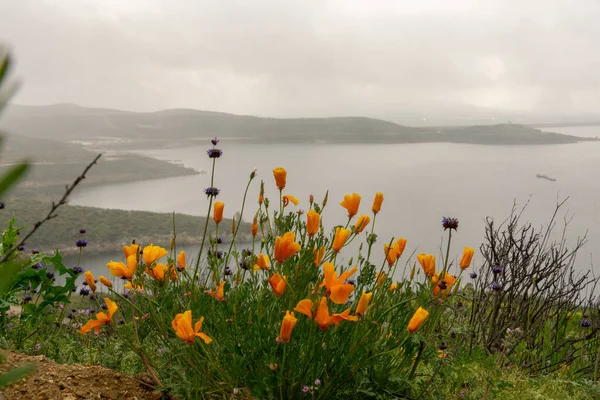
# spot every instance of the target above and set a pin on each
(181, 127)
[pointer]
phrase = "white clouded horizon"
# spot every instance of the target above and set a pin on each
(308, 58)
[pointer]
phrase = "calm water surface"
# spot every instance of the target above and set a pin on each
(421, 182)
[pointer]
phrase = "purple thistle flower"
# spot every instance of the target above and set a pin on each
(244, 265)
(497, 269)
(496, 286)
(50, 275)
(219, 240)
(214, 153)
(214, 141)
(81, 243)
(211, 192)
(37, 266)
(22, 248)
(585, 323)
(2, 205)
(450, 223)
(77, 269)
(84, 291)
(83, 230)
(351, 282)
(473, 275)
(35, 251)
(228, 271)
(27, 298)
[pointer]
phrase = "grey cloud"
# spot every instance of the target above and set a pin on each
(304, 58)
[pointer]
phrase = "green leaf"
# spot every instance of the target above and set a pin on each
(9, 271)
(4, 66)
(13, 176)
(15, 375)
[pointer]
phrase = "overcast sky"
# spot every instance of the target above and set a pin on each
(308, 58)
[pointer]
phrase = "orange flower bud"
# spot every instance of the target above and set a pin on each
(319, 254)
(313, 220)
(105, 281)
(287, 326)
(280, 175)
(341, 235)
(363, 303)
(89, 279)
(325, 198)
(377, 202)
(361, 223)
(255, 226)
(417, 319)
(465, 261)
(218, 211)
(351, 203)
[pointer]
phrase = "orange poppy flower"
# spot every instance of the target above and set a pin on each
(341, 235)
(218, 208)
(427, 262)
(323, 319)
(131, 286)
(319, 254)
(89, 279)
(219, 292)
(280, 175)
(278, 284)
(287, 326)
(361, 223)
(377, 202)
(448, 280)
(158, 272)
(285, 247)
(400, 245)
(121, 270)
(305, 307)
(391, 253)
(182, 325)
(338, 290)
(101, 318)
(153, 253)
(465, 261)
(313, 220)
(417, 319)
(262, 262)
(289, 198)
(132, 249)
(181, 262)
(351, 203)
(363, 303)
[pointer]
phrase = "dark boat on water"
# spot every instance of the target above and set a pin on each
(546, 177)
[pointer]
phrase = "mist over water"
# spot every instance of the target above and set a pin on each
(421, 183)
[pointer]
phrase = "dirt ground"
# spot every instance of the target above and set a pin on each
(71, 382)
